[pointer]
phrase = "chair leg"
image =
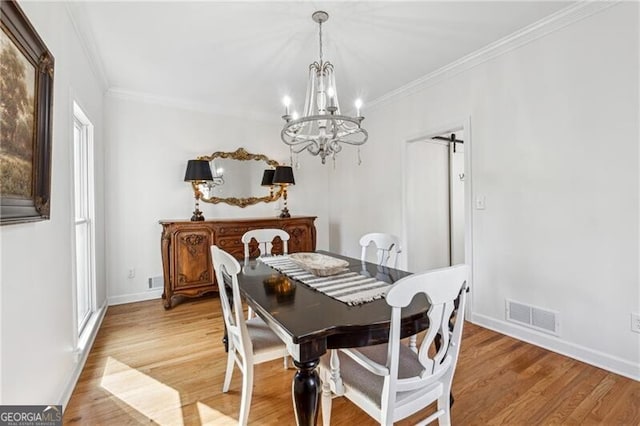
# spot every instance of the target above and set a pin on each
(249, 313)
(326, 400)
(444, 405)
(229, 372)
(247, 392)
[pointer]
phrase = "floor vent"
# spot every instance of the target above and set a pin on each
(533, 317)
(156, 282)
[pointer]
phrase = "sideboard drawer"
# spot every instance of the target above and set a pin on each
(232, 245)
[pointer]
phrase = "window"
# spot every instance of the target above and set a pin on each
(84, 215)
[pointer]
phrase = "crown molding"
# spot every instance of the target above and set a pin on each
(77, 16)
(539, 29)
(203, 107)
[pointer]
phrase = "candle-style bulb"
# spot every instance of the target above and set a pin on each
(286, 101)
(358, 104)
(331, 93)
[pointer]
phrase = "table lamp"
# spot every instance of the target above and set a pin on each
(283, 176)
(267, 180)
(198, 171)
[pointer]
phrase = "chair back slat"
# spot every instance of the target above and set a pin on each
(441, 287)
(264, 238)
(387, 248)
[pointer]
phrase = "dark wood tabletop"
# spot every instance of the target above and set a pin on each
(307, 315)
(310, 322)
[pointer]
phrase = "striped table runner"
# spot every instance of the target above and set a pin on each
(349, 287)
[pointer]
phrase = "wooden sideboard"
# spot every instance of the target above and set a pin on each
(186, 258)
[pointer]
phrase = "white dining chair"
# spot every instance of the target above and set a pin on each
(387, 248)
(264, 238)
(388, 251)
(251, 341)
(391, 382)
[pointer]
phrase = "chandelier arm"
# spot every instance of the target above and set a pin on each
(317, 117)
(306, 142)
(302, 145)
(309, 147)
(298, 144)
(365, 136)
(314, 148)
(291, 129)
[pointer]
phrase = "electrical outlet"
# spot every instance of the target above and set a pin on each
(635, 323)
(132, 273)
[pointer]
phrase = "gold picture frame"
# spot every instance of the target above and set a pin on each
(240, 155)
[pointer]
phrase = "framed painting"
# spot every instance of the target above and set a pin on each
(26, 103)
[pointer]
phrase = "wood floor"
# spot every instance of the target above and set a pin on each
(151, 366)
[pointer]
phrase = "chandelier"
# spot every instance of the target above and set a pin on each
(322, 129)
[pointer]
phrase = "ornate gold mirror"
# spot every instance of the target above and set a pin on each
(237, 178)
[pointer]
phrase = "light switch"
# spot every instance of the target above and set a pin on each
(480, 202)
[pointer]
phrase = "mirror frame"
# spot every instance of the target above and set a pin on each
(240, 154)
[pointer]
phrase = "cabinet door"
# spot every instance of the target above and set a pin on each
(192, 258)
(300, 238)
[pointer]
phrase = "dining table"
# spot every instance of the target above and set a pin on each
(311, 323)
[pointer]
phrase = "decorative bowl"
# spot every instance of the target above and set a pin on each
(319, 264)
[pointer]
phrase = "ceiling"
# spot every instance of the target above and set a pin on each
(241, 58)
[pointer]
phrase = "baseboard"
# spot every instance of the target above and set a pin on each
(135, 297)
(79, 365)
(596, 358)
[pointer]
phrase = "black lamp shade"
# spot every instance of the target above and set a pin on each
(267, 177)
(283, 175)
(198, 170)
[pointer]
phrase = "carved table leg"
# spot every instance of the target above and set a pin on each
(306, 392)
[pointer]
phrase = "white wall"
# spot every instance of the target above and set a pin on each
(554, 148)
(36, 314)
(148, 145)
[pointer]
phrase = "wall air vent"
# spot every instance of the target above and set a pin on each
(532, 317)
(156, 282)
